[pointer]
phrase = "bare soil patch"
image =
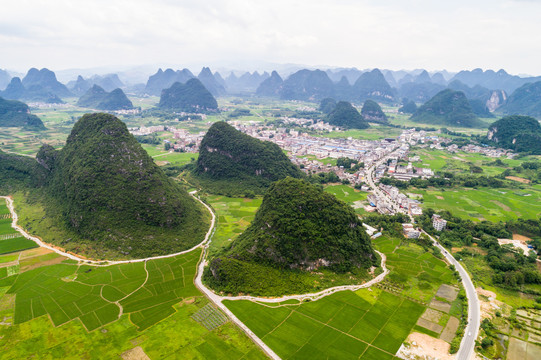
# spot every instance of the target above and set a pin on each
(450, 329)
(34, 252)
(489, 305)
(447, 292)
(429, 325)
(422, 346)
(432, 315)
(136, 353)
(56, 260)
(440, 305)
(521, 237)
(519, 179)
(503, 206)
(440, 197)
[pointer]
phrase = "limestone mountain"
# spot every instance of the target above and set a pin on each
(271, 86)
(345, 115)
(15, 113)
(372, 85)
(97, 98)
(79, 86)
(35, 93)
(371, 112)
(327, 105)
(526, 100)
(164, 79)
(191, 97)
(5, 78)
(209, 81)
(109, 192)
(493, 79)
(310, 85)
(419, 92)
(409, 107)
(246, 83)
(519, 133)
(299, 227)
(45, 79)
(235, 162)
(448, 108)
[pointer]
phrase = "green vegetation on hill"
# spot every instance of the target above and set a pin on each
(520, 133)
(16, 113)
(235, 163)
(18, 172)
(448, 107)
(409, 107)
(345, 115)
(108, 191)
(526, 100)
(97, 98)
(327, 105)
(372, 112)
(297, 229)
(192, 96)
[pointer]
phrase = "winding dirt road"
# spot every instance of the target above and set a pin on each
(211, 295)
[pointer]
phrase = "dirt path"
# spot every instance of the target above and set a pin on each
(42, 244)
(213, 297)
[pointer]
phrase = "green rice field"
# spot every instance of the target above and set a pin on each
(485, 203)
(339, 326)
(10, 240)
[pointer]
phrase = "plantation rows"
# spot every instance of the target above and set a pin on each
(10, 240)
(95, 295)
(210, 317)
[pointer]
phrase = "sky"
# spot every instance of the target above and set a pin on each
(390, 34)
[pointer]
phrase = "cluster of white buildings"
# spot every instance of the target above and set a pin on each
(438, 222)
(143, 130)
(411, 205)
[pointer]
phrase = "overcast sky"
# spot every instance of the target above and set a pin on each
(393, 34)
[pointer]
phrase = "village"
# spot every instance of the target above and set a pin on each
(315, 154)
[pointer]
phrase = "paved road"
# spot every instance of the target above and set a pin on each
(467, 346)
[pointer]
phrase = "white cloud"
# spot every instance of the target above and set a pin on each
(392, 34)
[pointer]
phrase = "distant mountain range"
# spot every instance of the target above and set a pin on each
(37, 85)
(97, 98)
(107, 82)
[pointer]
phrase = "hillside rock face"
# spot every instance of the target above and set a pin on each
(108, 190)
(526, 100)
(192, 96)
(228, 154)
(519, 133)
(372, 112)
(299, 226)
(448, 108)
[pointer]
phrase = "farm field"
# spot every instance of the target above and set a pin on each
(353, 197)
(10, 240)
(47, 309)
(342, 325)
(233, 217)
(484, 203)
(367, 324)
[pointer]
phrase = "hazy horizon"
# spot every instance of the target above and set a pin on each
(61, 35)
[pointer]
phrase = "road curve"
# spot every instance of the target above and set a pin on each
(467, 345)
(38, 241)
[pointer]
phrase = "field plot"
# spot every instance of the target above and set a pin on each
(484, 203)
(415, 273)
(96, 295)
(233, 215)
(210, 317)
(11, 240)
(343, 325)
(349, 195)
